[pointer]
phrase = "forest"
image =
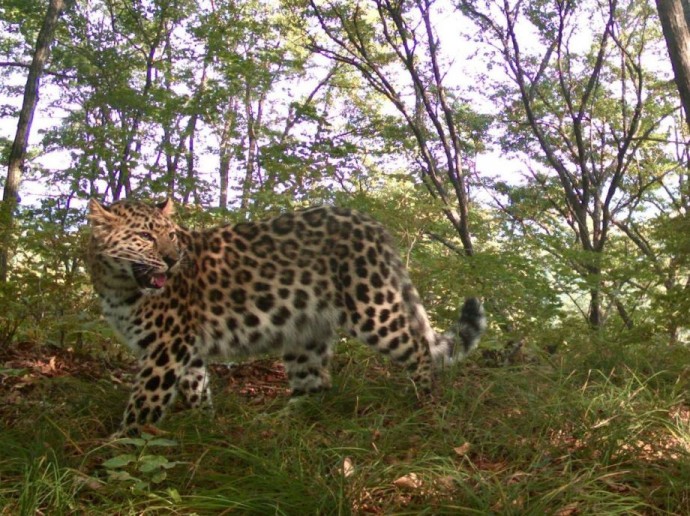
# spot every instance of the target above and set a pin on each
(532, 153)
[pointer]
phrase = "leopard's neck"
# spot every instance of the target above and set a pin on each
(120, 299)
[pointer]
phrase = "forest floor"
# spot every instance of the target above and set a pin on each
(604, 429)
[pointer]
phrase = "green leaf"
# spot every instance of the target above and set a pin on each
(120, 475)
(140, 486)
(120, 461)
(149, 463)
(174, 494)
(171, 464)
(159, 477)
(162, 442)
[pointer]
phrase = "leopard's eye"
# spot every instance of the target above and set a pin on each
(173, 235)
(147, 236)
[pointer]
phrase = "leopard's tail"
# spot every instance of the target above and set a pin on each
(456, 343)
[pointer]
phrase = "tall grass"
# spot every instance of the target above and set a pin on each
(599, 430)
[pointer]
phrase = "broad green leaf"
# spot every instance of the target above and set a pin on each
(120, 475)
(158, 477)
(149, 463)
(120, 461)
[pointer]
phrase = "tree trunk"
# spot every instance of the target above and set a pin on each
(224, 172)
(26, 115)
(594, 316)
(675, 21)
(225, 150)
(254, 120)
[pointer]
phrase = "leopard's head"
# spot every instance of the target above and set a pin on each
(133, 244)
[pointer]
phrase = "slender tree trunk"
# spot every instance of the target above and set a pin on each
(191, 179)
(225, 149)
(594, 316)
(224, 171)
(189, 134)
(130, 128)
(675, 22)
(170, 160)
(26, 115)
(253, 123)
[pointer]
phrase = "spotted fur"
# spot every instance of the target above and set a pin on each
(179, 298)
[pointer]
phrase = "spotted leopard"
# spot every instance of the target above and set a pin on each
(179, 298)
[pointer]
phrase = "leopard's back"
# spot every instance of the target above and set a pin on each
(264, 285)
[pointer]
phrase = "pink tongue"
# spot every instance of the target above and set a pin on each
(158, 280)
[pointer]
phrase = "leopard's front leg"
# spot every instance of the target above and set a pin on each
(157, 382)
(194, 386)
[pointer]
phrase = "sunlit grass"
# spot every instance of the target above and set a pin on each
(586, 432)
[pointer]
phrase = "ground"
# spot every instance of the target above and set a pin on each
(581, 432)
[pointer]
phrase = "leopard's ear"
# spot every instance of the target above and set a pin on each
(99, 215)
(167, 207)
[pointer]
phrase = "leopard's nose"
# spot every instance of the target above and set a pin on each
(170, 261)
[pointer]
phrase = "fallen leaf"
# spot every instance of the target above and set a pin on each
(348, 468)
(409, 482)
(516, 477)
(445, 483)
(463, 449)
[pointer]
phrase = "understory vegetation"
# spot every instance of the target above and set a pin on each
(601, 429)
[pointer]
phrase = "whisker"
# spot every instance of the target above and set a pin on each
(137, 259)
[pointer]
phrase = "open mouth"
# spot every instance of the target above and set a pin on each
(148, 278)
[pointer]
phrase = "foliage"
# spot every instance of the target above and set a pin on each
(592, 120)
(48, 298)
(142, 470)
(263, 107)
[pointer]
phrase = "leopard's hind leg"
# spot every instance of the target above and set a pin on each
(307, 361)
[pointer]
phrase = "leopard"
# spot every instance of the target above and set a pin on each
(287, 285)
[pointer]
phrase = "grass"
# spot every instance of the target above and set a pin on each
(601, 430)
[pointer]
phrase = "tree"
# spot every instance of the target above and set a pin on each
(254, 54)
(675, 21)
(21, 139)
(401, 36)
(587, 119)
